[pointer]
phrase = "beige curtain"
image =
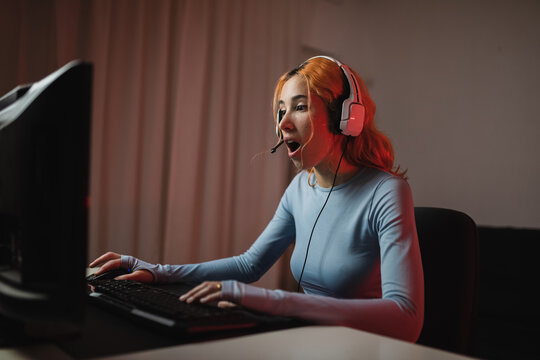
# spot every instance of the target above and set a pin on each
(182, 118)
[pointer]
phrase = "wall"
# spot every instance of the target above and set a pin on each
(456, 86)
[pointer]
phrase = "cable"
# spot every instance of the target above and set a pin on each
(317, 219)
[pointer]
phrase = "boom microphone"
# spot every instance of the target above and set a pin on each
(273, 150)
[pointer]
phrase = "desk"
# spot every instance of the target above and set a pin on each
(310, 342)
(111, 337)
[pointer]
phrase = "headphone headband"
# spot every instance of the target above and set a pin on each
(351, 121)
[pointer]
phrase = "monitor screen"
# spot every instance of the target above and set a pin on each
(44, 182)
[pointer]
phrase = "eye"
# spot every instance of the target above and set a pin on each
(301, 107)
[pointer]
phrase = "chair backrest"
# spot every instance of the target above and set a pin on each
(449, 246)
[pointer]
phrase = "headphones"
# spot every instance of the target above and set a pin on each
(353, 112)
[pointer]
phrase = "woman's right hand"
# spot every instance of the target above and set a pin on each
(110, 261)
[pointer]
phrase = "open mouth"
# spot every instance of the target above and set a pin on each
(293, 146)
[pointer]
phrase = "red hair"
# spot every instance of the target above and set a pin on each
(326, 79)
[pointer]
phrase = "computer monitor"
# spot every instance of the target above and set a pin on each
(44, 182)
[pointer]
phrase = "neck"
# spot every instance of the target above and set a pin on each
(325, 174)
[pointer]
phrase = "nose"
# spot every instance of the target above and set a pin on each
(286, 124)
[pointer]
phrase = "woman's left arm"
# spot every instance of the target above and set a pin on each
(382, 316)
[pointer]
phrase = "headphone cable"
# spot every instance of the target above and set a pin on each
(317, 219)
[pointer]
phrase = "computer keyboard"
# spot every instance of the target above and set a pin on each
(164, 307)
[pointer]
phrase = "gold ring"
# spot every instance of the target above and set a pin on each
(218, 286)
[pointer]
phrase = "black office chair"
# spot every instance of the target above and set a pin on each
(449, 246)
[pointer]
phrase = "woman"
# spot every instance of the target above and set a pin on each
(349, 212)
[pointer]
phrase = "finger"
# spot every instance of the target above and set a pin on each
(214, 296)
(103, 258)
(108, 266)
(143, 276)
(193, 291)
(224, 304)
(200, 291)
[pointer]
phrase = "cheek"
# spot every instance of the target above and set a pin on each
(320, 122)
(304, 126)
(319, 147)
(324, 137)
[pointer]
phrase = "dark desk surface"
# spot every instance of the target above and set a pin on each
(107, 333)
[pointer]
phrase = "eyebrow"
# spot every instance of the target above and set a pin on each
(294, 98)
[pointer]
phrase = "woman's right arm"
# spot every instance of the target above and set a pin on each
(247, 267)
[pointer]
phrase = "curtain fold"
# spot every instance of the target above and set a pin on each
(182, 115)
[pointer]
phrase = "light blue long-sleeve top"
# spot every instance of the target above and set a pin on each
(363, 269)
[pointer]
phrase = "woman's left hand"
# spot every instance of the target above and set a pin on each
(206, 292)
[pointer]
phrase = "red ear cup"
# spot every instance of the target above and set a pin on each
(353, 111)
(355, 123)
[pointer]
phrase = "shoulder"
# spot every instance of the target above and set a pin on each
(390, 182)
(390, 195)
(378, 181)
